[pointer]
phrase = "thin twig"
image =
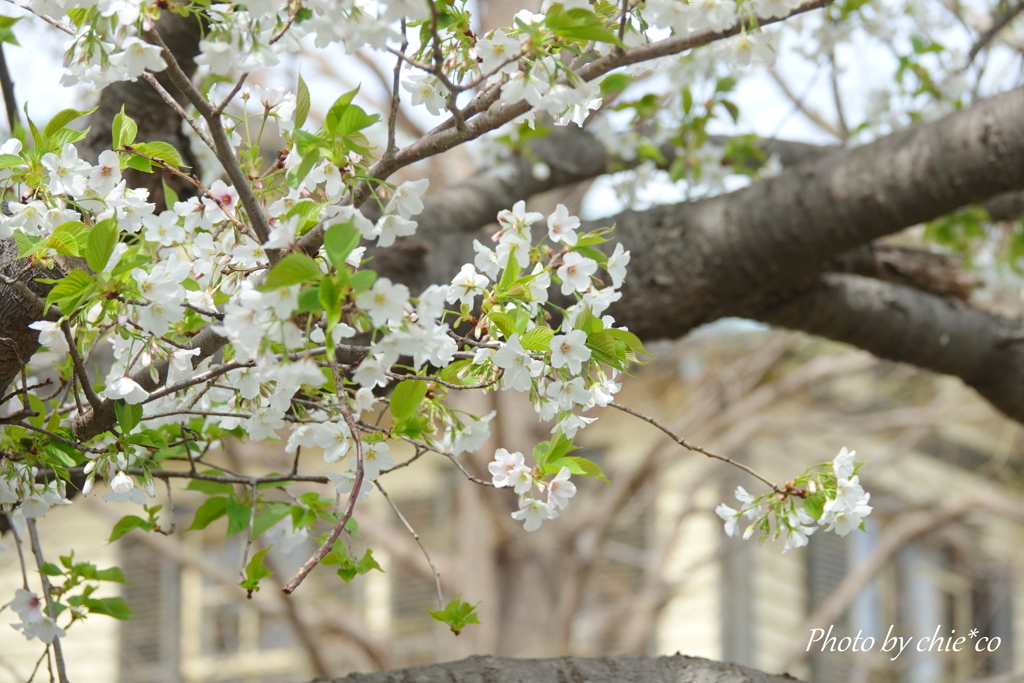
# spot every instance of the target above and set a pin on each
(689, 446)
(357, 483)
(998, 24)
(37, 550)
(79, 365)
(221, 145)
(437, 575)
(248, 538)
(17, 544)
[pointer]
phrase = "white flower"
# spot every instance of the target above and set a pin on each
(570, 349)
(426, 90)
(466, 285)
(565, 394)
(560, 490)
(731, 517)
(335, 439)
(391, 226)
(121, 483)
(158, 316)
(431, 303)
(575, 272)
(106, 174)
(138, 56)
(532, 512)
(370, 373)
(486, 260)
(376, 459)
(126, 388)
(502, 466)
(473, 437)
(518, 218)
(848, 509)
(616, 265)
(68, 173)
(495, 50)
(562, 226)
(571, 423)
(344, 481)
(163, 229)
(28, 606)
(384, 301)
(801, 526)
(45, 628)
(515, 361)
(842, 465)
(51, 336)
(407, 198)
(520, 479)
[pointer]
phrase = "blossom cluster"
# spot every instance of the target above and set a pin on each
(34, 624)
(832, 497)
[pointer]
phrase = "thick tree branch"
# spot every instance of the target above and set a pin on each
(622, 669)
(910, 326)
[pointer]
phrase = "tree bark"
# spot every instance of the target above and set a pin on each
(622, 669)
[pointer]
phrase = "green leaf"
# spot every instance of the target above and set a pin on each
(406, 398)
(509, 276)
(139, 163)
(51, 569)
(125, 525)
(112, 607)
(353, 119)
(330, 298)
(8, 160)
(555, 449)
(337, 110)
(537, 339)
(68, 238)
(361, 281)
(456, 614)
(268, 518)
(128, 415)
(815, 505)
(734, 111)
(309, 300)
(170, 196)
(340, 239)
(123, 130)
(6, 34)
(100, 244)
(62, 119)
(113, 574)
(163, 151)
(70, 290)
(301, 103)
(631, 341)
(293, 269)
(254, 571)
(504, 321)
(67, 136)
(614, 83)
(580, 25)
(211, 510)
(580, 466)
(27, 244)
(238, 516)
(42, 143)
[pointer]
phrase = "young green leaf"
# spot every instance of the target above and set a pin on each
(100, 244)
(293, 269)
(457, 614)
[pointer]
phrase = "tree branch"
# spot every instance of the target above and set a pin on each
(909, 326)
